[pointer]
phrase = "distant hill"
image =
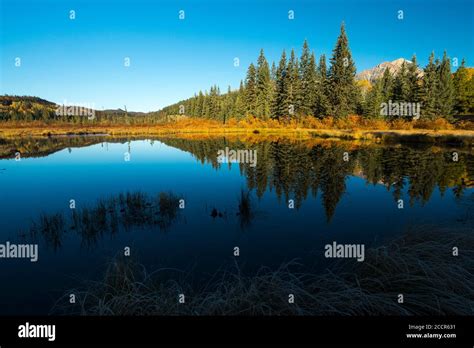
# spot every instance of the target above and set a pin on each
(7, 100)
(121, 112)
(33, 104)
(376, 72)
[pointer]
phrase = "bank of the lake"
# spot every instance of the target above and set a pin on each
(456, 137)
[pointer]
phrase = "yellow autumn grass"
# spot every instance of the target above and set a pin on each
(349, 128)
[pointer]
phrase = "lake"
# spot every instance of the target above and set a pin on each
(84, 200)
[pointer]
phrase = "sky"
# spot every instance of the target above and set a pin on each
(83, 60)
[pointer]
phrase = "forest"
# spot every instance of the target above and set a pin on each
(304, 87)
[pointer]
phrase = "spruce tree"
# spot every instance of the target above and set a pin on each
(413, 81)
(293, 82)
(321, 106)
(387, 85)
(251, 89)
(374, 99)
(281, 100)
(307, 80)
(429, 89)
(342, 88)
(463, 91)
(240, 105)
(310, 96)
(273, 72)
(200, 104)
(263, 88)
(445, 90)
(401, 85)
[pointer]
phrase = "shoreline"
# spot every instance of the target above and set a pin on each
(424, 136)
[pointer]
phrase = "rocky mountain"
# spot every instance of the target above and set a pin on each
(377, 71)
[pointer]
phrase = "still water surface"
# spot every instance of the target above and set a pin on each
(348, 201)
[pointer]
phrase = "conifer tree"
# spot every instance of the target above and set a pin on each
(374, 99)
(251, 89)
(199, 104)
(387, 85)
(263, 88)
(293, 83)
(281, 100)
(240, 106)
(413, 81)
(310, 95)
(342, 88)
(321, 106)
(464, 91)
(273, 72)
(401, 85)
(307, 80)
(429, 90)
(445, 89)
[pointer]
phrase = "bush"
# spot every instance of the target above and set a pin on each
(438, 124)
(401, 124)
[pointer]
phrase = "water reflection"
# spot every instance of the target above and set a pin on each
(125, 211)
(295, 170)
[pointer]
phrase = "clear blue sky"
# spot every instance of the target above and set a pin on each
(82, 60)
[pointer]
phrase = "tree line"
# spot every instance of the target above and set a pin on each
(293, 88)
(303, 86)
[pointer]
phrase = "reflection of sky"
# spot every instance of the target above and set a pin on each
(366, 213)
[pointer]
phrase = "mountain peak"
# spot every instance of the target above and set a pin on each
(376, 72)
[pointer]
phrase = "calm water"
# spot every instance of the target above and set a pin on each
(353, 201)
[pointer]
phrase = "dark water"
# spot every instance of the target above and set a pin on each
(342, 191)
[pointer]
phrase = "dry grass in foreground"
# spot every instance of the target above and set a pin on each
(418, 264)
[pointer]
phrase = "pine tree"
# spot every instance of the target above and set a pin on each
(321, 106)
(375, 98)
(342, 88)
(251, 89)
(445, 90)
(413, 81)
(273, 74)
(200, 104)
(311, 93)
(293, 81)
(307, 80)
(387, 85)
(263, 88)
(205, 105)
(464, 91)
(401, 85)
(227, 105)
(214, 103)
(281, 100)
(240, 106)
(429, 90)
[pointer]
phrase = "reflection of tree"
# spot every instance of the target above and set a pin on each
(424, 170)
(245, 213)
(294, 169)
(108, 216)
(37, 147)
(333, 177)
